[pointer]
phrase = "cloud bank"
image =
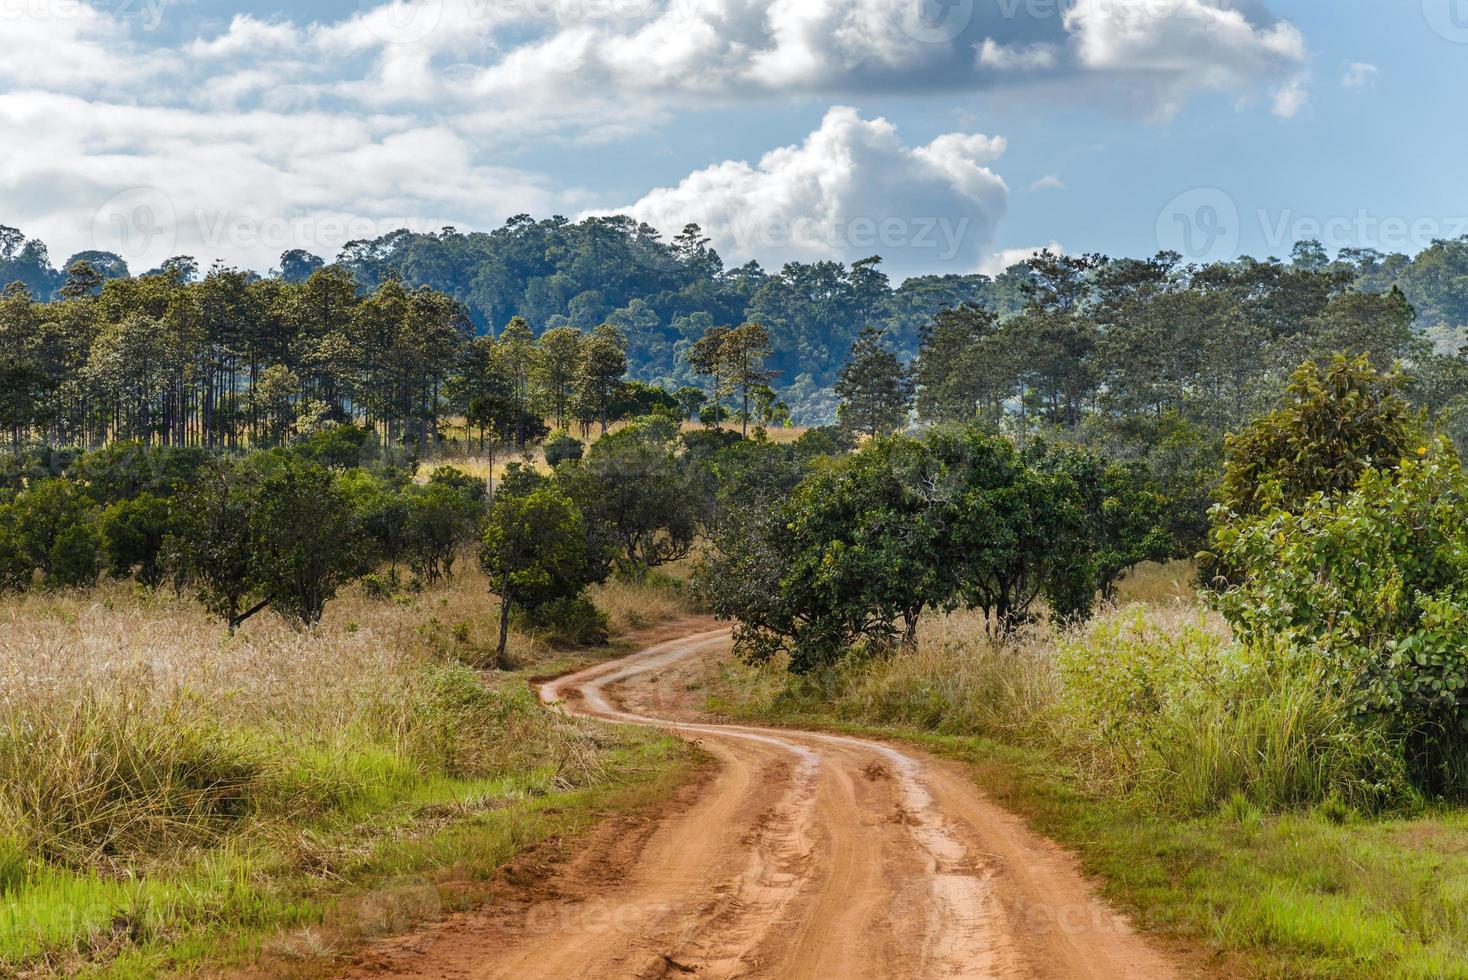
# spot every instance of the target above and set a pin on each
(406, 111)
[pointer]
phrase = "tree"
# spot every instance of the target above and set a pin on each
(306, 540)
(534, 551)
(214, 545)
(875, 388)
(634, 494)
(1336, 423)
(557, 364)
(743, 352)
(515, 351)
(706, 358)
(603, 365)
(963, 369)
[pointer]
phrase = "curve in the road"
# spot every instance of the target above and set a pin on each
(806, 855)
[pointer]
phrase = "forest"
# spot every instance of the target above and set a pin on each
(663, 295)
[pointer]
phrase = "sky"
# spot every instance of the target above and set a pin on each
(945, 135)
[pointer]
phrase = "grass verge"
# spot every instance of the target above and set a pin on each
(174, 799)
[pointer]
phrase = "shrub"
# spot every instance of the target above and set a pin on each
(1337, 422)
(46, 520)
(561, 447)
(75, 559)
(1375, 581)
(572, 620)
(132, 533)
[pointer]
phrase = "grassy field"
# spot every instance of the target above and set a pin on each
(171, 796)
(1220, 816)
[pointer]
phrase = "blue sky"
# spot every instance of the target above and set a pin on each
(948, 135)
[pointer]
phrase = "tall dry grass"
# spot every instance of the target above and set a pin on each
(131, 724)
(1152, 700)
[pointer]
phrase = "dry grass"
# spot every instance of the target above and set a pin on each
(130, 722)
(637, 605)
(143, 751)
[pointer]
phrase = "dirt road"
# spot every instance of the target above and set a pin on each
(802, 856)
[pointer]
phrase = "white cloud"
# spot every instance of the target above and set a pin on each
(408, 107)
(1185, 46)
(852, 189)
(1003, 57)
(1049, 182)
(1360, 75)
(1293, 96)
(998, 262)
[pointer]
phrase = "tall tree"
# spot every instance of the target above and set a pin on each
(743, 353)
(875, 388)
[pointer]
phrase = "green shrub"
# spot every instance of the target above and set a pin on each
(75, 559)
(561, 447)
(571, 619)
(1336, 422)
(132, 533)
(1375, 582)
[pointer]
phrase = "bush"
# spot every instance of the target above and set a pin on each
(1376, 582)
(52, 524)
(572, 620)
(75, 559)
(561, 447)
(1337, 422)
(132, 533)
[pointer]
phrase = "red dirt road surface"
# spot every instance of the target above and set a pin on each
(803, 855)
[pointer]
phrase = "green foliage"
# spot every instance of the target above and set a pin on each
(572, 620)
(52, 524)
(274, 530)
(1376, 581)
(305, 539)
(441, 520)
(561, 447)
(1337, 422)
(75, 558)
(636, 496)
(534, 550)
(865, 543)
(338, 447)
(133, 532)
(875, 389)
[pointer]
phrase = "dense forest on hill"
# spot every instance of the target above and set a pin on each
(663, 295)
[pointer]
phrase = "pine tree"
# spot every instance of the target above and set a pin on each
(875, 388)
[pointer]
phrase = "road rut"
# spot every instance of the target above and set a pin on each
(805, 855)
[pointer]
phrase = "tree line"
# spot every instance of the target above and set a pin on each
(663, 294)
(1147, 361)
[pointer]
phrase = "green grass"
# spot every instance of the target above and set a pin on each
(264, 893)
(1301, 892)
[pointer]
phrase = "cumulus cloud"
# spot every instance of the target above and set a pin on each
(1049, 182)
(417, 103)
(1185, 46)
(852, 189)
